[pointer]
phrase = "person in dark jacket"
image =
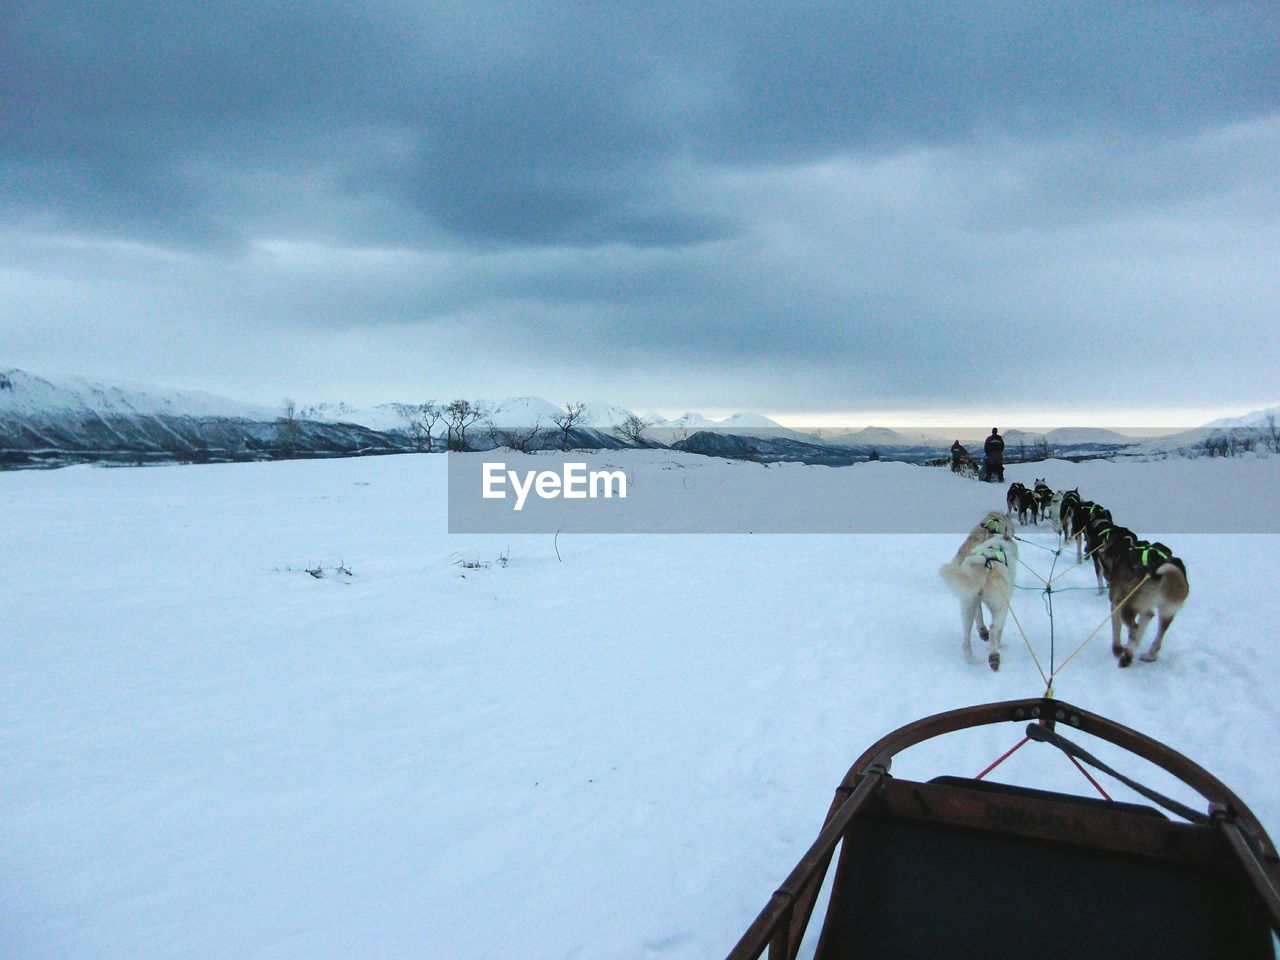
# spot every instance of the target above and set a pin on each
(958, 455)
(994, 452)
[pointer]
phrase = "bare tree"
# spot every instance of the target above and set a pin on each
(1221, 445)
(632, 430)
(1272, 435)
(431, 414)
(287, 428)
(523, 440)
(573, 414)
(421, 420)
(459, 415)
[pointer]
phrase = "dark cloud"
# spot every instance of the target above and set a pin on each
(868, 199)
(540, 123)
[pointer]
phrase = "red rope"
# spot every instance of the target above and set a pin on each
(1003, 757)
(1097, 786)
(1012, 750)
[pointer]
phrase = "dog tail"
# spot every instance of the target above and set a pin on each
(957, 578)
(1173, 582)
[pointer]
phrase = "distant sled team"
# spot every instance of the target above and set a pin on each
(1143, 580)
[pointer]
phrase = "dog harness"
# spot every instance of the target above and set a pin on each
(978, 552)
(1153, 550)
(998, 524)
(1099, 519)
(1148, 556)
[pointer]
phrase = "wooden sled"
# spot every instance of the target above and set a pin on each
(960, 867)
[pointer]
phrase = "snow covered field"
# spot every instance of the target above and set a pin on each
(209, 753)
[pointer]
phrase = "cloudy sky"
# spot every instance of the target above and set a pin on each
(815, 210)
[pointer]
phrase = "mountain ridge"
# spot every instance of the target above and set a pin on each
(55, 420)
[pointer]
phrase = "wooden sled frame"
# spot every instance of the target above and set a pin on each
(1059, 821)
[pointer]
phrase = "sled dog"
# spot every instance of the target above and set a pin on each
(985, 574)
(1113, 546)
(994, 524)
(1043, 493)
(1027, 505)
(1096, 532)
(1161, 595)
(1075, 513)
(1014, 494)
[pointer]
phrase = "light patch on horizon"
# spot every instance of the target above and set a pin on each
(968, 424)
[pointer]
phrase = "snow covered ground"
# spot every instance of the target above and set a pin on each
(209, 753)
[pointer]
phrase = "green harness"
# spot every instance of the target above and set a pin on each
(1002, 558)
(1147, 557)
(1153, 550)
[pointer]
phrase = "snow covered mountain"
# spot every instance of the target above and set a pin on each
(752, 426)
(507, 412)
(749, 420)
(687, 421)
(519, 411)
(55, 420)
(1067, 442)
(385, 417)
(693, 420)
(1079, 436)
(881, 437)
(604, 416)
(1258, 418)
(1068, 437)
(52, 421)
(25, 395)
(1257, 430)
(525, 412)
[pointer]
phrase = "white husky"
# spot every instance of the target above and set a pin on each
(986, 574)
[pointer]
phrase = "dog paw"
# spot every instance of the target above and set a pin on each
(1148, 657)
(982, 632)
(1126, 658)
(993, 661)
(1116, 650)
